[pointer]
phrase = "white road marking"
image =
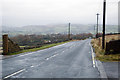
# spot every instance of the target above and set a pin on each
(14, 73)
(37, 65)
(47, 58)
(31, 66)
(93, 59)
(26, 54)
(51, 56)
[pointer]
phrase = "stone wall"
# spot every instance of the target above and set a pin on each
(9, 46)
(113, 47)
(12, 47)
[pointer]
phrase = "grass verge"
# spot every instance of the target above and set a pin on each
(36, 49)
(100, 53)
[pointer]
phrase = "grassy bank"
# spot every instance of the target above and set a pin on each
(36, 49)
(97, 45)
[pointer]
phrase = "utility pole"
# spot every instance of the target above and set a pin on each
(69, 31)
(104, 12)
(97, 25)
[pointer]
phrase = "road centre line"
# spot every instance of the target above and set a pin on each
(14, 73)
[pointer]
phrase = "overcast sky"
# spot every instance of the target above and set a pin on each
(39, 12)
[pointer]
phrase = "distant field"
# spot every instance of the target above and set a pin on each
(107, 39)
(97, 45)
(111, 37)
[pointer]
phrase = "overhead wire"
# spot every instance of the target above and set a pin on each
(109, 4)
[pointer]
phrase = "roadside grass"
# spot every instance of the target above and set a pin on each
(96, 43)
(1, 48)
(109, 58)
(22, 46)
(40, 48)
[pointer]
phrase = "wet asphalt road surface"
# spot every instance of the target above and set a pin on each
(69, 60)
(111, 69)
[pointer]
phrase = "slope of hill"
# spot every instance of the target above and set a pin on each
(57, 28)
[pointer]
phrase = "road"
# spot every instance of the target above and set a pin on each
(69, 60)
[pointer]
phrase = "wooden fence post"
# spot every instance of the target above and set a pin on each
(5, 44)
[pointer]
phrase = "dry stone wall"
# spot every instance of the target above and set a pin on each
(9, 46)
(12, 47)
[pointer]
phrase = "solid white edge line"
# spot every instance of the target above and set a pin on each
(93, 59)
(14, 73)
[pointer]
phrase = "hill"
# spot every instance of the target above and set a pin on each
(56, 28)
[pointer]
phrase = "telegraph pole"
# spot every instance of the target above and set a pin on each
(69, 31)
(97, 25)
(104, 12)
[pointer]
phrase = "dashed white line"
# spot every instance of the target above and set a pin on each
(31, 66)
(47, 58)
(14, 73)
(51, 56)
